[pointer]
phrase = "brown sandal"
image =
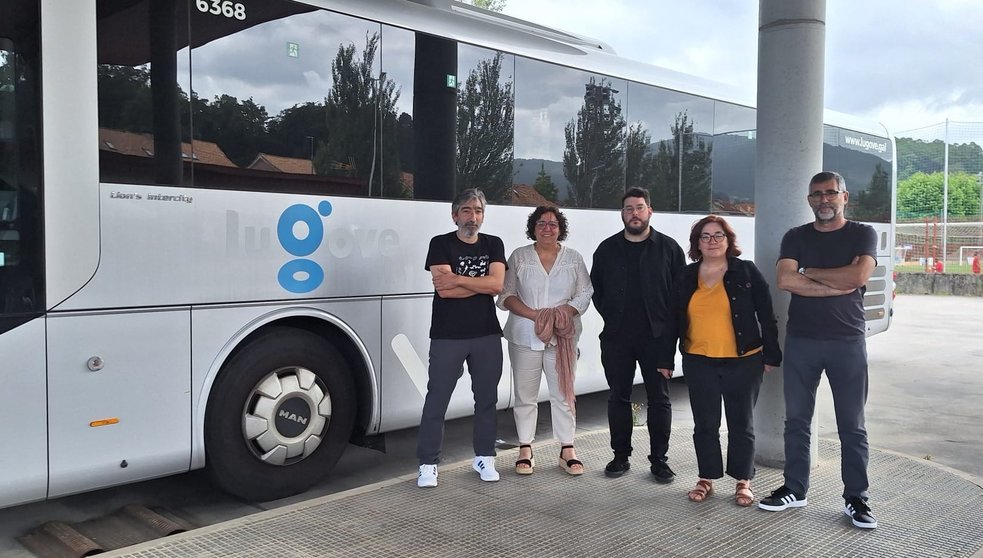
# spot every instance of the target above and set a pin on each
(703, 490)
(743, 496)
(525, 466)
(569, 464)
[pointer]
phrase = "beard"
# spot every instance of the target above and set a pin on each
(636, 227)
(826, 214)
(469, 229)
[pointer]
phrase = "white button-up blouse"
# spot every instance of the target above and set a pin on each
(568, 282)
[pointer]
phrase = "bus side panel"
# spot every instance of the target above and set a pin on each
(879, 296)
(139, 388)
(25, 463)
(406, 356)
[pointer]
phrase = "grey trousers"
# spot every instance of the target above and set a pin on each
(845, 364)
(447, 358)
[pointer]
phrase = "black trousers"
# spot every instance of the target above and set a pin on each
(619, 358)
(736, 381)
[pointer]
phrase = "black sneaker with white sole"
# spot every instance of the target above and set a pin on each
(859, 513)
(782, 499)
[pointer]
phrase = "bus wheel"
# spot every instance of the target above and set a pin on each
(279, 415)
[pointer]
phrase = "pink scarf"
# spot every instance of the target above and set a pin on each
(552, 322)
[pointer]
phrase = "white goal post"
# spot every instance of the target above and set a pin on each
(967, 257)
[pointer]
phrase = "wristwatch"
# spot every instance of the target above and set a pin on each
(802, 270)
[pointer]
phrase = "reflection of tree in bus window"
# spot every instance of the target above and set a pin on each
(486, 127)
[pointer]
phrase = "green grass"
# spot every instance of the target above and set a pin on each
(915, 267)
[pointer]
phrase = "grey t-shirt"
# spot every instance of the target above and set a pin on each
(832, 317)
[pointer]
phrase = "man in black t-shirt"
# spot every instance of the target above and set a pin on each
(468, 270)
(825, 265)
(632, 274)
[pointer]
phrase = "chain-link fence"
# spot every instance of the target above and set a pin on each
(940, 197)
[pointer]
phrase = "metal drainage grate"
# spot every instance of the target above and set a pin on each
(127, 526)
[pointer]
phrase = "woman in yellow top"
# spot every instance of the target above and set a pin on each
(728, 338)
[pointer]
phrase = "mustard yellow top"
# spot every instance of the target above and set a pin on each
(711, 332)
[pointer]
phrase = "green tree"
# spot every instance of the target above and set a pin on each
(874, 202)
(404, 138)
(684, 161)
(125, 101)
(921, 195)
(544, 184)
(239, 128)
(359, 111)
(928, 157)
(593, 159)
(639, 160)
(485, 129)
(297, 130)
(491, 5)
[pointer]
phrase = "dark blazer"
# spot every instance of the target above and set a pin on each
(750, 306)
(661, 261)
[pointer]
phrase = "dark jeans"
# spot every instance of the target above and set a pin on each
(619, 358)
(447, 358)
(736, 381)
(845, 364)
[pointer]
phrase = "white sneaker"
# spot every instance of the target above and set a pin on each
(428, 476)
(485, 465)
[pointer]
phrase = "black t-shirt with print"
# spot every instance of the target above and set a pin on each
(474, 316)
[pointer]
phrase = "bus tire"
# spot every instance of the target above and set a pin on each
(279, 415)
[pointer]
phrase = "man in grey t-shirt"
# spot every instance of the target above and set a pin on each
(825, 265)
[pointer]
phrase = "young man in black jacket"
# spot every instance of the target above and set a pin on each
(632, 274)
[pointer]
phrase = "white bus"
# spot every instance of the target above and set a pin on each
(214, 216)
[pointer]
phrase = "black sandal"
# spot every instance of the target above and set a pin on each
(569, 464)
(525, 466)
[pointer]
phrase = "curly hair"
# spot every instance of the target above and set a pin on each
(539, 212)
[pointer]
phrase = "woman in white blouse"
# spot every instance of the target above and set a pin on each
(547, 289)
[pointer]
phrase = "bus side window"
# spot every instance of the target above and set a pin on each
(21, 249)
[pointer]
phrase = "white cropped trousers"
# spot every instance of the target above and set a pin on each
(528, 367)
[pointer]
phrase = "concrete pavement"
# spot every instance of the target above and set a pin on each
(923, 509)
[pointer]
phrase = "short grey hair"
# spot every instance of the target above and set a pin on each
(467, 195)
(826, 176)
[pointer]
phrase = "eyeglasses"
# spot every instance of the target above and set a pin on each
(715, 237)
(629, 209)
(548, 224)
(828, 194)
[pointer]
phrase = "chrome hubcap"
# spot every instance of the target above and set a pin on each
(286, 416)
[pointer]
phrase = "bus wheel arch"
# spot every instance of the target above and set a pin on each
(279, 414)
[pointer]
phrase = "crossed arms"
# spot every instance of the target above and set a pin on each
(819, 282)
(449, 285)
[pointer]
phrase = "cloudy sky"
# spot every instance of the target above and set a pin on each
(905, 63)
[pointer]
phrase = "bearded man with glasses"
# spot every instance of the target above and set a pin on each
(632, 274)
(825, 265)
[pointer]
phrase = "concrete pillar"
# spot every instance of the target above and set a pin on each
(791, 51)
